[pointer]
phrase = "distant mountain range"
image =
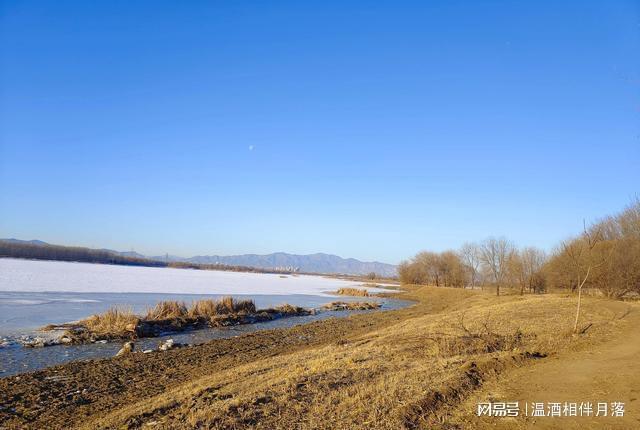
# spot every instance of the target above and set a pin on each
(312, 263)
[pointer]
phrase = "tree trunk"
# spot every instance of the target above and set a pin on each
(575, 325)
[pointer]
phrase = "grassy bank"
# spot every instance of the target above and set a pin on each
(399, 369)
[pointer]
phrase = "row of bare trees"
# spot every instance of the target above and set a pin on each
(605, 258)
(495, 261)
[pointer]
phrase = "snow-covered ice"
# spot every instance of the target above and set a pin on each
(40, 276)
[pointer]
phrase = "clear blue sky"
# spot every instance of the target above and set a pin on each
(365, 129)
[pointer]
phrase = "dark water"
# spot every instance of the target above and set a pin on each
(23, 313)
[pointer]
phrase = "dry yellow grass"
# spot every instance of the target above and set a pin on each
(203, 309)
(356, 292)
(167, 310)
(351, 306)
(116, 321)
(227, 305)
(287, 309)
(206, 308)
(404, 375)
(123, 323)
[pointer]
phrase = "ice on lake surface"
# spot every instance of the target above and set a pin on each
(60, 276)
(36, 293)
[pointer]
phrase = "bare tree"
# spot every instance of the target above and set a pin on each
(495, 254)
(533, 260)
(525, 268)
(471, 256)
(518, 270)
(581, 256)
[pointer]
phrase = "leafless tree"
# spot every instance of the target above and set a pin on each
(581, 257)
(471, 258)
(525, 269)
(495, 254)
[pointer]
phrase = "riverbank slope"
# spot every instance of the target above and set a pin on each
(409, 368)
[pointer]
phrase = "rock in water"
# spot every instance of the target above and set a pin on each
(36, 342)
(166, 345)
(127, 348)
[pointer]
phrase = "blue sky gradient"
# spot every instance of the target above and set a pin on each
(365, 130)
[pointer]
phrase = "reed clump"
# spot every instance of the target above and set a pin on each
(287, 309)
(208, 308)
(172, 315)
(356, 292)
(351, 306)
(227, 305)
(115, 322)
(167, 310)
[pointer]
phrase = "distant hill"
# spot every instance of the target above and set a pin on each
(132, 254)
(315, 263)
(279, 261)
(30, 242)
(39, 250)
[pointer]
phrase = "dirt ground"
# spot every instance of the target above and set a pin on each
(426, 366)
(604, 373)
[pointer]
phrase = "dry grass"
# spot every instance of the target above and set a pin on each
(356, 292)
(115, 321)
(287, 309)
(205, 309)
(167, 310)
(227, 305)
(393, 377)
(165, 315)
(351, 306)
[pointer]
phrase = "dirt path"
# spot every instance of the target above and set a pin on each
(608, 372)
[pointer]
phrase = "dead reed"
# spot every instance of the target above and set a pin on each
(356, 292)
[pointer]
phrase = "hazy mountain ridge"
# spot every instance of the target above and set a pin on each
(319, 262)
(316, 263)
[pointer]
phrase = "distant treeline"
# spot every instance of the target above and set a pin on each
(87, 255)
(605, 258)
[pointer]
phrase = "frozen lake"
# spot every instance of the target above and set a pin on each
(60, 276)
(36, 293)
